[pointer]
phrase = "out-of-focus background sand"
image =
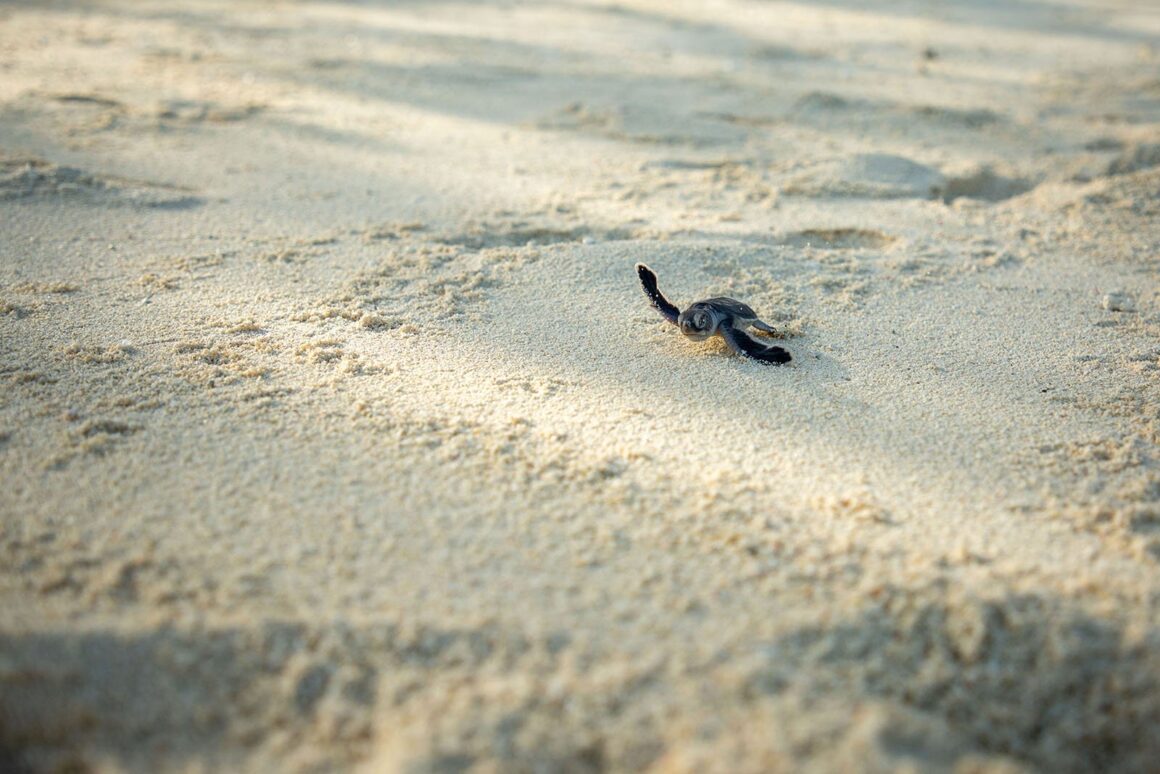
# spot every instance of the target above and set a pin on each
(336, 432)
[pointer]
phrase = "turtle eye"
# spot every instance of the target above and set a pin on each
(700, 321)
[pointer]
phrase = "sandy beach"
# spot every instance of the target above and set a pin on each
(337, 434)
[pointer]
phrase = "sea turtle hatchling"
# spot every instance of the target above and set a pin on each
(726, 317)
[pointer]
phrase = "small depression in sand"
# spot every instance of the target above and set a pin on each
(983, 183)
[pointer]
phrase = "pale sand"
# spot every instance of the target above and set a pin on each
(336, 432)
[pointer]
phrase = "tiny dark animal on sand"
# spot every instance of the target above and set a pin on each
(724, 317)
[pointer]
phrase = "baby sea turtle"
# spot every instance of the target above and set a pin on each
(726, 317)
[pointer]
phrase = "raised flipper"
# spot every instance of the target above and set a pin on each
(746, 346)
(649, 280)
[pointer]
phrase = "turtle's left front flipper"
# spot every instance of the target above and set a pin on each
(745, 345)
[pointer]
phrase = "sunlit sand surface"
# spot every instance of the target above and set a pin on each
(336, 433)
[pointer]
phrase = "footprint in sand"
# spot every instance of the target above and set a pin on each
(883, 176)
(35, 178)
(188, 112)
(982, 182)
(827, 107)
(867, 175)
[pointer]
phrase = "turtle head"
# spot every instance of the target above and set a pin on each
(697, 322)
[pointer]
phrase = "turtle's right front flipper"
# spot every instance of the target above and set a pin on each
(649, 281)
(743, 344)
(767, 329)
